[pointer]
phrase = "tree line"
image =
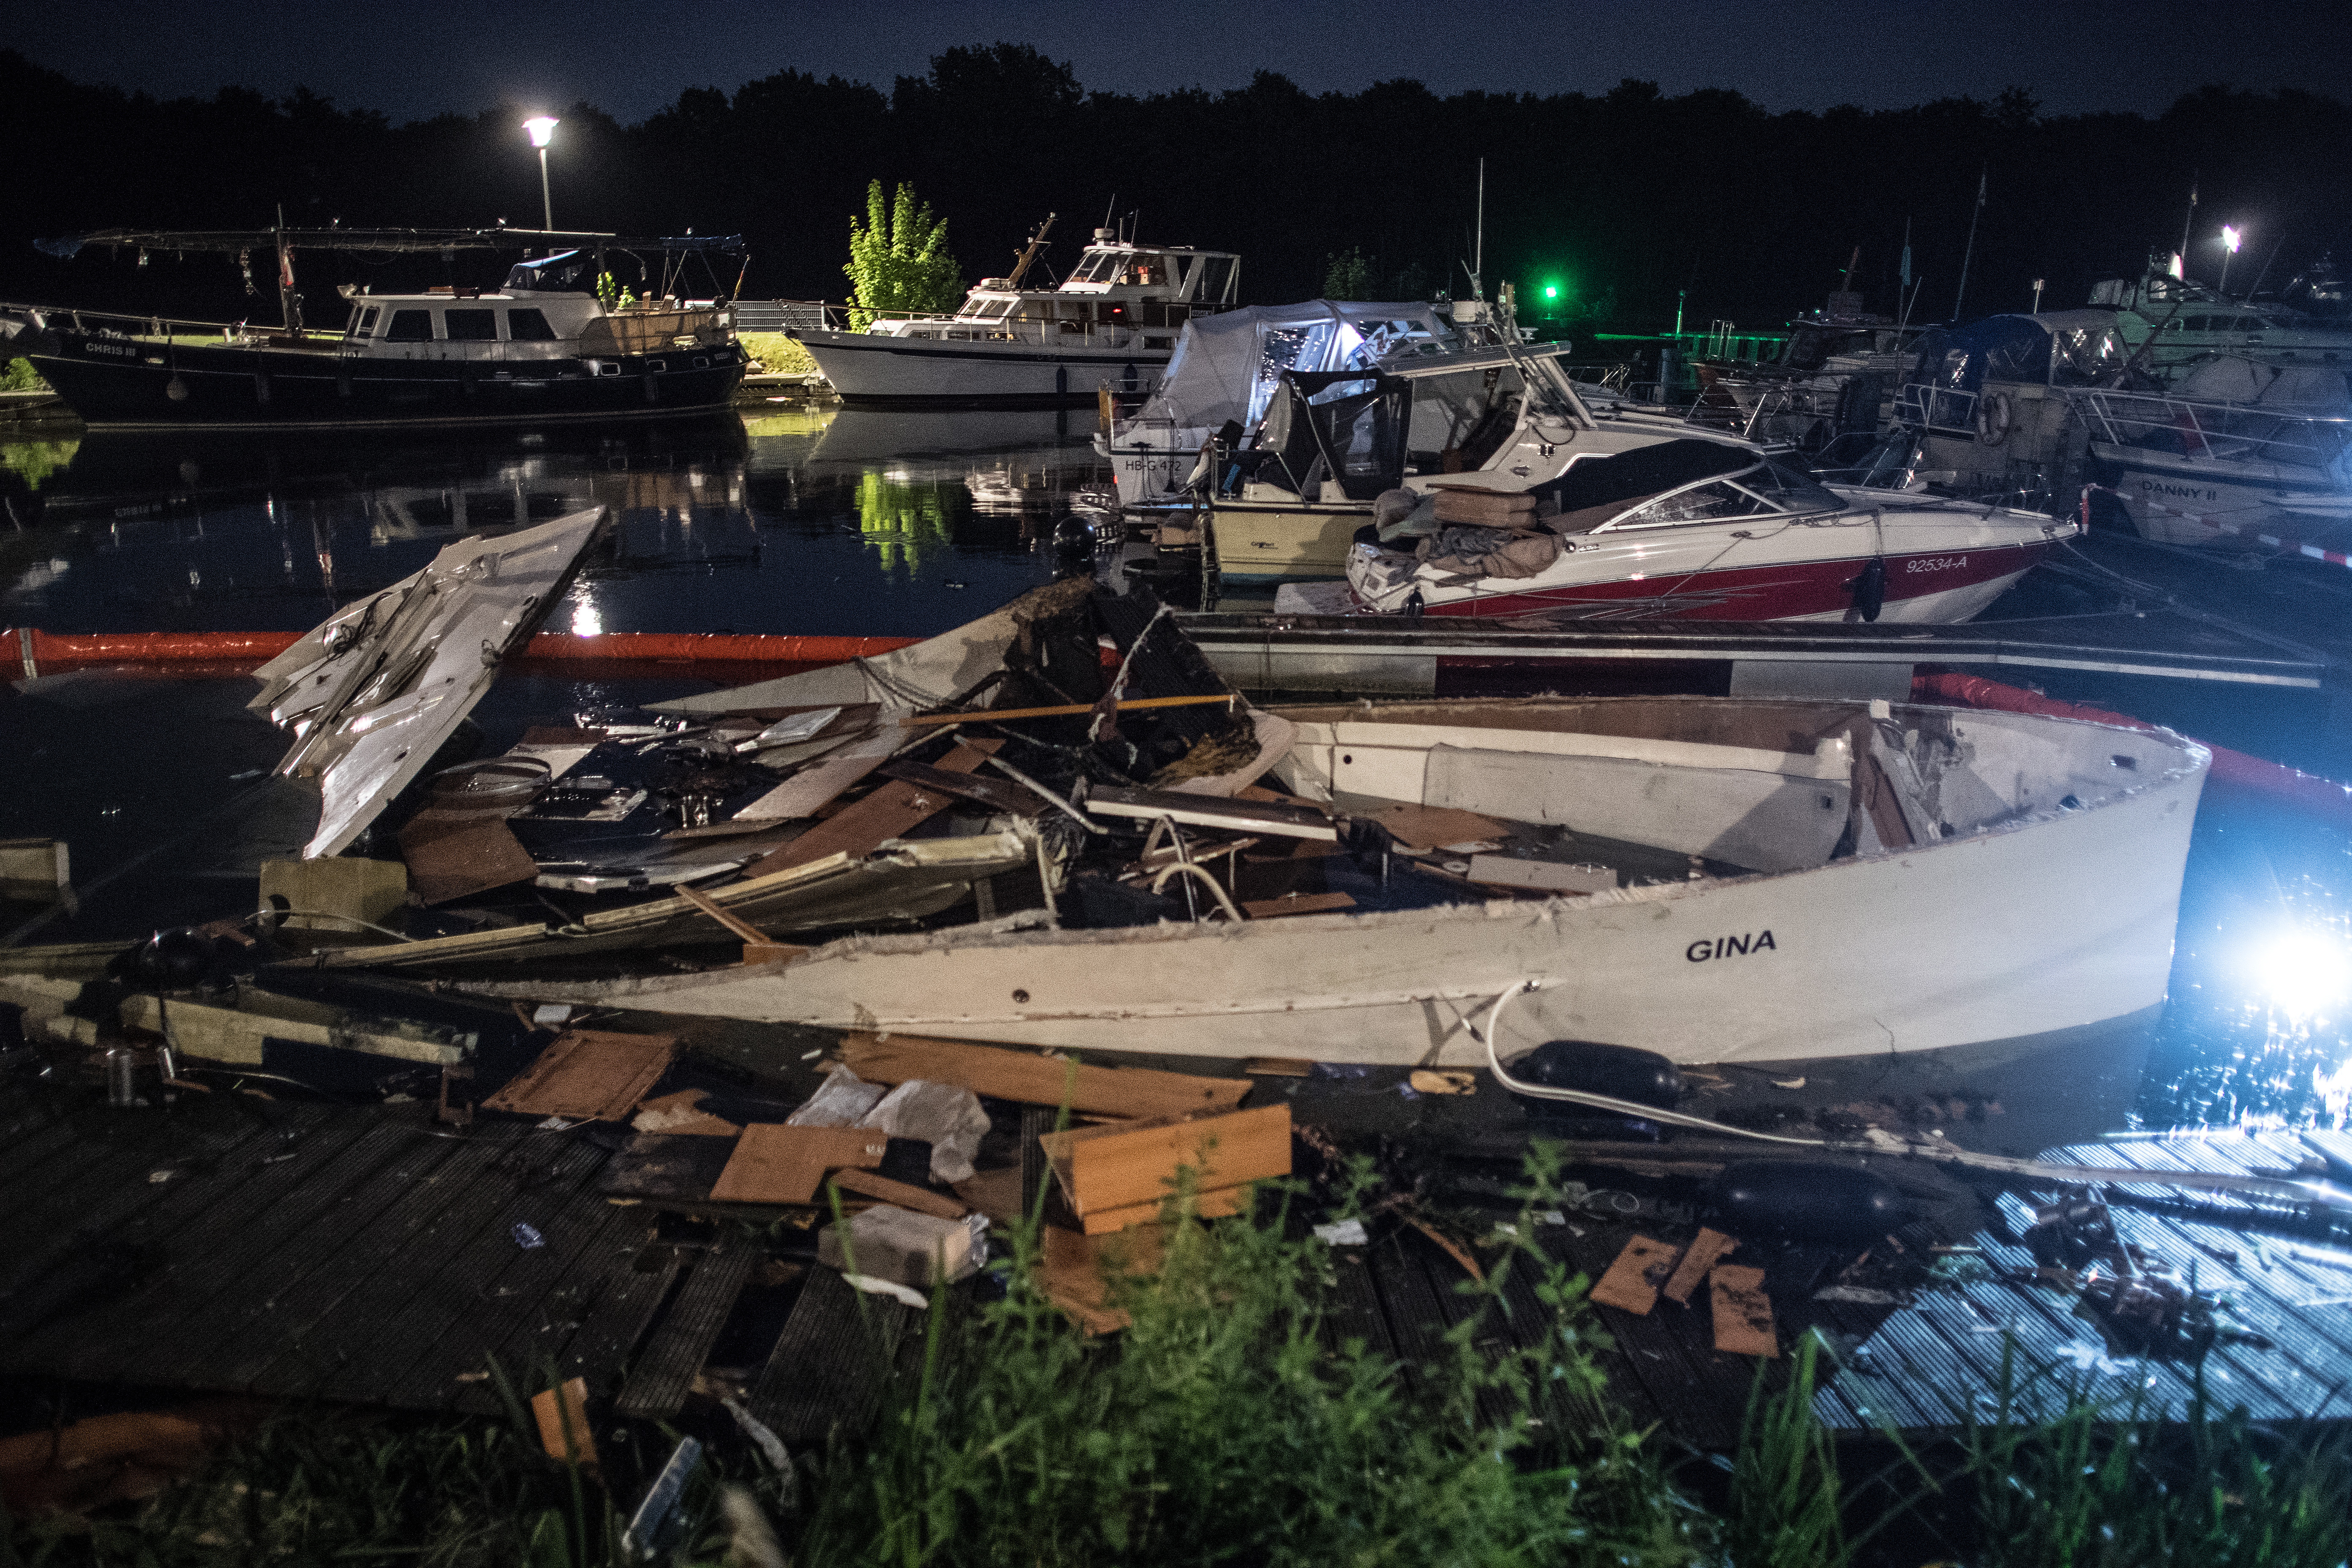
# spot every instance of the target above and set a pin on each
(1626, 202)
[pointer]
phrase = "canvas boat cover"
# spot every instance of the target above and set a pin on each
(2056, 348)
(1225, 366)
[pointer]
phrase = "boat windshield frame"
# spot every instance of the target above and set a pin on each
(1773, 502)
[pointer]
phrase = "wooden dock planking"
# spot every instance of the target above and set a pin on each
(829, 1364)
(618, 1321)
(431, 1340)
(1355, 1311)
(217, 1257)
(308, 1335)
(551, 1288)
(657, 1384)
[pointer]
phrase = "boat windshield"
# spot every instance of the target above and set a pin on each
(1766, 489)
(1101, 267)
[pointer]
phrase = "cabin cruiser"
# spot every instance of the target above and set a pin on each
(2239, 454)
(2177, 322)
(545, 346)
(1113, 322)
(1989, 404)
(1227, 368)
(1285, 504)
(1695, 529)
(1835, 375)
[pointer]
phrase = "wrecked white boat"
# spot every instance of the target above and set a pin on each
(371, 693)
(1825, 880)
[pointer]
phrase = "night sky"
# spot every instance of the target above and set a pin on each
(426, 56)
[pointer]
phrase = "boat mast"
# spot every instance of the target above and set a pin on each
(290, 303)
(1029, 252)
(1969, 254)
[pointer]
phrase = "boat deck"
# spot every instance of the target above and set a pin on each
(363, 1254)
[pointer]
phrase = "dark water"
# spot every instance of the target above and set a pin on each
(879, 524)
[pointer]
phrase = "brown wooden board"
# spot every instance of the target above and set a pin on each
(1297, 904)
(1118, 1165)
(667, 1168)
(1743, 1313)
(1427, 827)
(997, 795)
(1025, 1076)
(451, 854)
(588, 1074)
(899, 1195)
(1216, 1203)
(893, 809)
(1633, 1280)
(1076, 1271)
(1703, 1252)
(774, 1163)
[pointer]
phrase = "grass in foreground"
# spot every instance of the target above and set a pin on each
(1231, 1425)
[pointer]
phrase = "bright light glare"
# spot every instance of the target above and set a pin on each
(587, 621)
(2305, 972)
(542, 131)
(2231, 236)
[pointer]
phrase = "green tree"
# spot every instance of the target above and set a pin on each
(899, 258)
(1347, 276)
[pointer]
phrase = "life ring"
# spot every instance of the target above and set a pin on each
(1994, 417)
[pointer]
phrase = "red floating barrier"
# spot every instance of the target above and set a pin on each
(31, 652)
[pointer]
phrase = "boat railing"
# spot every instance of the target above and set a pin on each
(147, 328)
(1946, 410)
(2215, 432)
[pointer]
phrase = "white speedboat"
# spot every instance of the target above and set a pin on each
(1287, 504)
(1697, 530)
(1113, 322)
(1865, 880)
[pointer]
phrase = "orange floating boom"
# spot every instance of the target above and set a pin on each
(29, 652)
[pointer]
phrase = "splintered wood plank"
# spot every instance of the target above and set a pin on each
(829, 1365)
(1215, 1204)
(893, 809)
(900, 1194)
(774, 1163)
(1632, 1283)
(1119, 1165)
(588, 1074)
(1704, 1253)
(1427, 827)
(1027, 1077)
(658, 1385)
(1297, 904)
(814, 787)
(1743, 1313)
(1074, 1271)
(1677, 1375)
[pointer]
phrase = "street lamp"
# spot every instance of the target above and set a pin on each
(540, 128)
(2231, 236)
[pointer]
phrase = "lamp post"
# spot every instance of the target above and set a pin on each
(2231, 236)
(541, 130)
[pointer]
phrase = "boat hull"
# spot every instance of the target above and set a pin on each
(2176, 499)
(127, 384)
(2061, 920)
(875, 370)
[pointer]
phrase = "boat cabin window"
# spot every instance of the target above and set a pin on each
(529, 326)
(410, 327)
(1216, 275)
(364, 324)
(1099, 267)
(472, 326)
(1788, 490)
(1701, 503)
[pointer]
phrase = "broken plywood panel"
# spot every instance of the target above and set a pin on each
(1297, 904)
(1215, 1204)
(1119, 1167)
(1632, 1283)
(775, 1164)
(333, 892)
(1076, 1272)
(1743, 1313)
(681, 1113)
(1704, 1254)
(588, 1074)
(1025, 1076)
(895, 808)
(1427, 827)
